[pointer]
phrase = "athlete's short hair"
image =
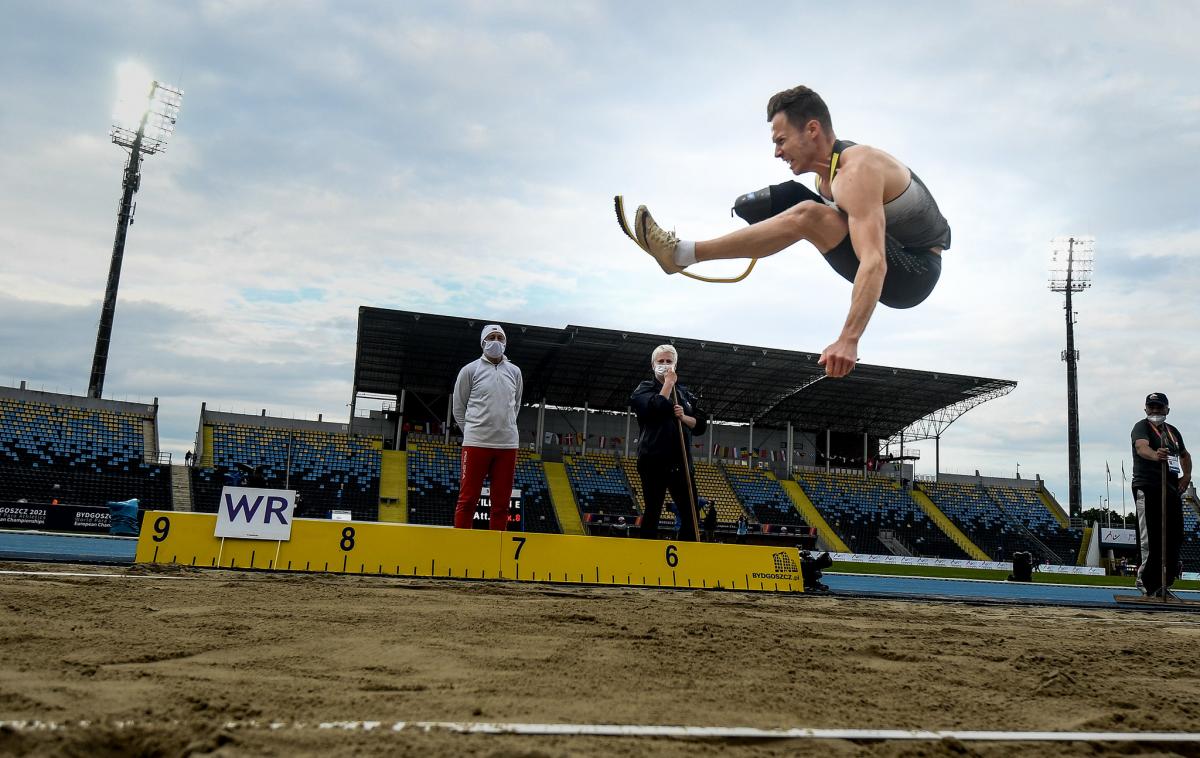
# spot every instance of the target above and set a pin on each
(801, 105)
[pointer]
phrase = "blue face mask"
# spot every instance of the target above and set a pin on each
(493, 349)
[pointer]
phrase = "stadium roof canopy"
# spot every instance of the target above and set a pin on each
(573, 365)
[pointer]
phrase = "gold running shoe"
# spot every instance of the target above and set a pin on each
(657, 241)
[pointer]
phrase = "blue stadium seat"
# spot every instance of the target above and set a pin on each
(763, 496)
(600, 486)
(330, 471)
(991, 517)
(858, 508)
(93, 455)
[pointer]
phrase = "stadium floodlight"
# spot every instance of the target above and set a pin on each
(145, 112)
(143, 122)
(1071, 263)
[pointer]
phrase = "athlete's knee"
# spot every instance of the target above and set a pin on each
(802, 217)
(767, 202)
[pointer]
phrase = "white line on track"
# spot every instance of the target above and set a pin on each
(639, 730)
(90, 576)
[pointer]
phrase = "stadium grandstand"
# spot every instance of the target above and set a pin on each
(788, 454)
(329, 469)
(773, 427)
(80, 451)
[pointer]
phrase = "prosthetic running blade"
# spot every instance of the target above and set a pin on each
(627, 228)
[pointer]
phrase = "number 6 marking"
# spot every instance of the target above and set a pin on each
(520, 546)
(672, 556)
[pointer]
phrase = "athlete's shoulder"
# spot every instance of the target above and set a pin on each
(867, 157)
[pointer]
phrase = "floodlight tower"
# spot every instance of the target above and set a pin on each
(143, 122)
(1071, 262)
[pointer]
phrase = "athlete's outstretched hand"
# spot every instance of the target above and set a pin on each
(840, 357)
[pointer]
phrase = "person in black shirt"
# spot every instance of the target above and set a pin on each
(1156, 441)
(663, 409)
(710, 523)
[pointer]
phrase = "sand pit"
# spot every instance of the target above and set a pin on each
(176, 654)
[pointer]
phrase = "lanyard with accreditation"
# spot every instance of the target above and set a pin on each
(1172, 460)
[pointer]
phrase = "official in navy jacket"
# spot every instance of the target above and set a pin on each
(664, 463)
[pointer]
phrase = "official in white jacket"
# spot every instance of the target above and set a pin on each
(487, 397)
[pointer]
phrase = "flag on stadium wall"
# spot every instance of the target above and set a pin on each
(1107, 472)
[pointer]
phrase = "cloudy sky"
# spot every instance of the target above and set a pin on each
(460, 158)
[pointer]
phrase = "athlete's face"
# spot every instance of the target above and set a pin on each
(795, 147)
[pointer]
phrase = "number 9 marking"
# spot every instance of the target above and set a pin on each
(162, 527)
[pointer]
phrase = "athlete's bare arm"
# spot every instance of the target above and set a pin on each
(859, 191)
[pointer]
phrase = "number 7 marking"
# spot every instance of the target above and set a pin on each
(520, 544)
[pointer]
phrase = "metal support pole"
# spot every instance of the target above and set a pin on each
(712, 438)
(400, 418)
(864, 455)
(353, 407)
(583, 448)
(790, 447)
(1074, 477)
(541, 426)
(449, 416)
(750, 444)
(129, 185)
(628, 426)
(937, 458)
(827, 456)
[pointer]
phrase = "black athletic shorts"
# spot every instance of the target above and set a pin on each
(912, 273)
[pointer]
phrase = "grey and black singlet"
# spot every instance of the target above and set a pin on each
(914, 225)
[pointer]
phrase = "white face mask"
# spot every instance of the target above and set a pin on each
(661, 369)
(1156, 419)
(493, 349)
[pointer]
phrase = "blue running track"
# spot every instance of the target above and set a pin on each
(75, 548)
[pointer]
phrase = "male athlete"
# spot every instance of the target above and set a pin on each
(874, 220)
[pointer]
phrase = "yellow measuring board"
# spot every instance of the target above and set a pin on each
(356, 547)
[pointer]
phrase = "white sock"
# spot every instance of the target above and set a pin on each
(685, 253)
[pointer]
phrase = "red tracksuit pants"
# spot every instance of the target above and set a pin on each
(498, 465)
